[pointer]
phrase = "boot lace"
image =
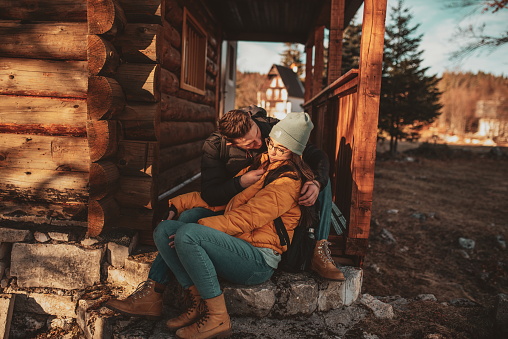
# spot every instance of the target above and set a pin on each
(195, 303)
(325, 253)
(141, 290)
(206, 315)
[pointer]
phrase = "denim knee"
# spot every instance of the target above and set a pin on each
(165, 229)
(184, 233)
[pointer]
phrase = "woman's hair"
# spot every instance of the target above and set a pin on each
(296, 169)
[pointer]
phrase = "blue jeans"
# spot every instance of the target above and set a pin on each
(159, 271)
(325, 213)
(201, 254)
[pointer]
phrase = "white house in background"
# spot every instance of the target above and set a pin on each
(281, 92)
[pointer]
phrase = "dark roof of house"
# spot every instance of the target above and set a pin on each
(291, 81)
(275, 20)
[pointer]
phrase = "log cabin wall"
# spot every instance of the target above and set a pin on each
(160, 127)
(43, 112)
(95, 126)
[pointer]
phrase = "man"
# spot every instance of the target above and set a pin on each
(240, 138)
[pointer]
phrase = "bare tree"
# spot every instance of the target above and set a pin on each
(475, 38)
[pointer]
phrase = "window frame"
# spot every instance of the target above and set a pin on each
(196, 85)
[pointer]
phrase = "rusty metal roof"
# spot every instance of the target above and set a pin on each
(275, 20)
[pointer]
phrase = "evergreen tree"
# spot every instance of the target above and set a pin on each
(292, 56)
(351, 47)
(409, 98)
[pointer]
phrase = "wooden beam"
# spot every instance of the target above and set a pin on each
(25, 151)
(173, 13)
(102, 139)
(105, 17)
(175, 155)
(319, 62)
(176, 175)
(105, 98)
(308, 73)
(176, 109)
(147, 11)
(55, 186)
(44, 10)
(138, 158)
(177, 133)
(44, 40)
(369, 85)
(103, 58)
(102, 215)
(62, 214)
(335, 40)
(140, 111)
(26, 110)
(171, 35)
(139, 42)
(137, 192)
(43, 77)
(103, 179)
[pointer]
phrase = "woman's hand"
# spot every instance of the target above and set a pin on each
(251, 177)
(171, 214)
(309, 193)
(172, 241)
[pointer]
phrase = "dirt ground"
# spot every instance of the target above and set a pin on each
(425, 199)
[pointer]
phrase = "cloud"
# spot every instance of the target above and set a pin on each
(258, 56)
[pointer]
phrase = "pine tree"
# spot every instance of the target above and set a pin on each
(409, 98)
(292, 56)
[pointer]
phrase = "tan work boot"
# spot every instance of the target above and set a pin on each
(214, 323)
(145, 301)
(193, 313)
(322, 262)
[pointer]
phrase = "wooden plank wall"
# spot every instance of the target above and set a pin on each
(43, 112)
(91, 114)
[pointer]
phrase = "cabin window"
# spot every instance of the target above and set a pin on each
(193, 72)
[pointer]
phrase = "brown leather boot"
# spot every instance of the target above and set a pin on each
(193, 313)
(145, 301)
(322, 262)
(214, 323)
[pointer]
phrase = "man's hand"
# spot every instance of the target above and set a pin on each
(251, 177)
(309, 193)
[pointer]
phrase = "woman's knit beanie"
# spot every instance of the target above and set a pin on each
(293, 131)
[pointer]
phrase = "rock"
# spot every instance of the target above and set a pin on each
(501, 310)
(340, 320)
(89, 241)
(392, 211)
(42, 303)
(379, 308)
(3, 266)
(426, 297)
(133, 273)
(60, 236)
(297, 294)
(14, 235)
(117, 254)
(257, 300)
(501, 243)
(60, 323)
(41, 237)
(56, 266)
(419, 216)
(5, 250)
(6, 311)
(366, 335)
(462, 302)
(95, 324)
(468, 244)
(464, 254)
(387, 236)
(400, 303)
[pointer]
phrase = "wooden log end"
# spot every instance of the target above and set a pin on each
(101, 215)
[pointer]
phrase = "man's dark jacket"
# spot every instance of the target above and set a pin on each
(220, 163)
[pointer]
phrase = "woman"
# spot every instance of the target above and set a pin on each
(242, 245)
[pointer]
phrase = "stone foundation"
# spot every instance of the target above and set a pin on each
(70, 276)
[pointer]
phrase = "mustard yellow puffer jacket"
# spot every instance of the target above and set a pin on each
(250, 214)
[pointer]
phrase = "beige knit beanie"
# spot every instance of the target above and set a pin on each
(293, 131)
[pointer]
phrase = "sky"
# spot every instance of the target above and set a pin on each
(438, 25)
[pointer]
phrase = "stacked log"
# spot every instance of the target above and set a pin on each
(163, 127)
(94, 118)
(43, 89)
